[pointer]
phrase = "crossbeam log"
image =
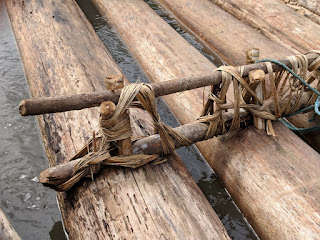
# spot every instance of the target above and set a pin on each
(42, 105)
(195, 132)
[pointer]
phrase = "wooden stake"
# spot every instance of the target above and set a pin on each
(113, 83)
(256, 78)
(107, 110)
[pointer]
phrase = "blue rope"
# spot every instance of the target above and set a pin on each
(316, 105)
(289, 125)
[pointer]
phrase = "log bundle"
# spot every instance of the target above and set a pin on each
(266, 189)
(62, 55)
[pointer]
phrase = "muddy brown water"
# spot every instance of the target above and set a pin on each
(31, 208)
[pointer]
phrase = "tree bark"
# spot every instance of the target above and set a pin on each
(62, 55)
(7, 232)
(274, 194)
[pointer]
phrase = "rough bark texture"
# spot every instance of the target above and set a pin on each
(7, 232)
(307, 8)
(277, 21)
(63, 55)
(163, 54)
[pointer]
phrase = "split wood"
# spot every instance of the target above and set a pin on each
(37, 106)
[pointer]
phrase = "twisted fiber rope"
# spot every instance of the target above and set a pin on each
(118, 128)
(286, 95)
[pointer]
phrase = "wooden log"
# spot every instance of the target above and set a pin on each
(62, 55)
(7, 232)
(163, 55)
(277, 21)
(37, 106)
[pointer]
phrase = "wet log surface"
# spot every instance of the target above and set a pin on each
(275, 181)
(7, 232)
(277, 21)
(62, 55)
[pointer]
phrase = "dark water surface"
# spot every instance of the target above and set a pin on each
(31, 208)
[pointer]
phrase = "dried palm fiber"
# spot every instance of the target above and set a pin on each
(118, 127)
(285, 96)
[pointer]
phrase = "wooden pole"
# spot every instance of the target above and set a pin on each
(62, 55)
(113, 83)
(7, 232)
(273, 180)
(36, 106)
(195, 132)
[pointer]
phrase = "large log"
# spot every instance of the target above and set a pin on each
(163, 55)
(62, 55)
(277, 21)
(7, 232)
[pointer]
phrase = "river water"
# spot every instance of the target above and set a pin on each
(31, 208)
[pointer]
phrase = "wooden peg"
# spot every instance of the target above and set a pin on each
(107, 110)
(256, 79)
(252, 55)
(114, 82)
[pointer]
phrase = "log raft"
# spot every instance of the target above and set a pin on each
(62, 55)
(277, 197)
